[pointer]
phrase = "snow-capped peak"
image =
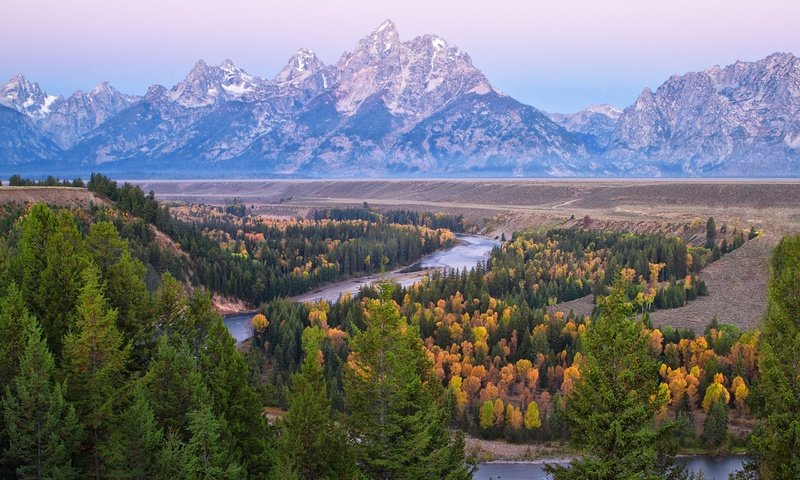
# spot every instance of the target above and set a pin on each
(382, 40)
(609, 111)
(438, 43)
(28, 98)
(386, 25)
(302, 65)
(205, 85)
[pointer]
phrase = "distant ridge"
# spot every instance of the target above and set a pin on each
(393, 108)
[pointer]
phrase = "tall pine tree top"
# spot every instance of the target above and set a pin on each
(611, 412)
(397, 406)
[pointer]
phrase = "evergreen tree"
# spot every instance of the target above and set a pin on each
(311, 445)
(715, 427)
(777, 439)
(43, 430)
(171, 461)
(61, 280)
(174, 386)
(16, 326)
(124, 287)
(135, 442)
(396, 404)
(234, 399)
(612, 408)
(711, 233)
(30, 261)
(94, 365)
(170, 308)
(208, 456)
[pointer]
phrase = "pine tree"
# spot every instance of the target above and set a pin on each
(61, 281)
(207, 454)
(396, 404)
(16, 325)
(711, 233)
(94, 365)
(42, 426)
(777, 439)
(715, 427)
(174, 386)
(171, 461)
(30, 260)
(171, 306)
(136, 441)
(311, 445)
(124, 287)
(235, 401)
(612, 408)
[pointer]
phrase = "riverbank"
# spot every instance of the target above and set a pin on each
(501, 451)
(466, 253)
(487, 451)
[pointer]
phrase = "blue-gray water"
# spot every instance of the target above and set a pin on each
(713, 468)
(470, 250)
(239, 326)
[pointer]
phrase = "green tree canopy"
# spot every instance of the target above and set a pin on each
(311, 444)
(397, 406)
(777, 439)
(612, 409)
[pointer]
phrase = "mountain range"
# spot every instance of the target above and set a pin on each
(403, 108)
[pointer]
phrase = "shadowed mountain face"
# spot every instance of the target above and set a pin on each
(395, 108)
(21, 144)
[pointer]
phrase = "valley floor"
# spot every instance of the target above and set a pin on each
(737, 282)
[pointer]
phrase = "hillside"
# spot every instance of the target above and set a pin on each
(67, 197)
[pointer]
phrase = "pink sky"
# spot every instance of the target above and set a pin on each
(555, 55)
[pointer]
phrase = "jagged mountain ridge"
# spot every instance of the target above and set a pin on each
(743, 119)
(417, 107)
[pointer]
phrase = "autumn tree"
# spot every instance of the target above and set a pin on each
(612, 408)
(396, 403)
(778, 436)
(486, 416)
(532, 420)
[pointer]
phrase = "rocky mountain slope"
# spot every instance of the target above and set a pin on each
(405, 108)
(742, 120)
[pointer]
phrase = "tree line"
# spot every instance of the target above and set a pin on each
(103, 379)
(258, 260)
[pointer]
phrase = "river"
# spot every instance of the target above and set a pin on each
(713, 468)
(468, 251)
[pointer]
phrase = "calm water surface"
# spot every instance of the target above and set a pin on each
(714, 468)
(470, 250)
